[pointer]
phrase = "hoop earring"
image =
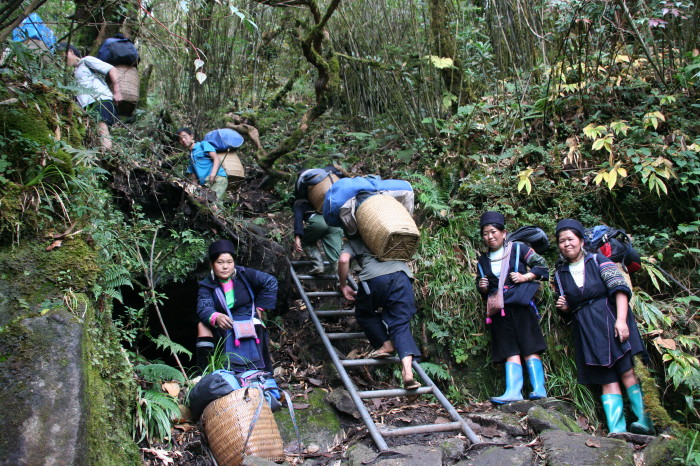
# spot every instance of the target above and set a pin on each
(213, 277)
(233, 275)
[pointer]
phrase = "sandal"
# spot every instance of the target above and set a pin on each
(376, 354)
(411, 384)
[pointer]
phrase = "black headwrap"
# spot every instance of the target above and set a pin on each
(220, 247)
(569, 224)
(492, 218)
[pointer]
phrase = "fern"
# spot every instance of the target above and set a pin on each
(435, 371)
(159, 373)
(153, 416)
(175, 348)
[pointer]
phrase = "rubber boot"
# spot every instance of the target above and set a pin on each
(514, 385)
(614, 413)
(535, 371)
(643, 424)
(314, 255)
(203, 350)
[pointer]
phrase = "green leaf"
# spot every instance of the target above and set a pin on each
(441, 62)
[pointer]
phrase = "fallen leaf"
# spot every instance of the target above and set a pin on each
(313, 448)
(407, 420)
(316, 382)
(582, 422)
(173, 388)
(441, 420)
(300, 405)
(593, 443)
(666, 343)
(490, 432)
(55, 244)
(377, 403)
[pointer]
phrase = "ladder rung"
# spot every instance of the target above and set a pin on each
(422, 429)
(394, 392)
(317, 277)
(369, 362)
(345, 336)
(337, 312)
(305, 262)
(315, 294)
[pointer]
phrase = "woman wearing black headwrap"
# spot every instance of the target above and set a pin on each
(230, 304)
(605, 332)
(506, 281)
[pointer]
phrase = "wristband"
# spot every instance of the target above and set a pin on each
(212, 319)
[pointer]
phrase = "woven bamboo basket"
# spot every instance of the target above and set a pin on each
(318, 191)
(232, 164)
(129, 84)
(226, 423)
(387, 228)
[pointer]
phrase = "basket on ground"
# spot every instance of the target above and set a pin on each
(387, 228)
(318, 191)
(232, 164)
(226, 424)
(129, 84)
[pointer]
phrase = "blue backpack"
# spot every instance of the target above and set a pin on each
(224, 139)
(118, 50)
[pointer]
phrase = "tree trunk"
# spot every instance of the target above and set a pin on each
(444, 45)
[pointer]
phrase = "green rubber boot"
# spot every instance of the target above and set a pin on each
(643, 424)
(314, 255)
(614, 413)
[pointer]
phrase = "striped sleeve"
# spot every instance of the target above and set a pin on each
(613, 279)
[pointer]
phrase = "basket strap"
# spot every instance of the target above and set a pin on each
(253, 421)
(292, 416)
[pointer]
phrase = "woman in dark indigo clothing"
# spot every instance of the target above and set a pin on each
(605, 333)
(507, 271)
(234, 296)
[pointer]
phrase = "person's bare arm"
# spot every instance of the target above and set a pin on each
(116, 88)
(343, 271)
(215, 165)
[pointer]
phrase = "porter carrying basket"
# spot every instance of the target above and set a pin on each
(241, 424)
(232, 164)
(129, 84)
(317, 192)
(387, 228)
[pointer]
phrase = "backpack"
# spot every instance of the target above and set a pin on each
(211, 387)
(224, 139)
(118, 50)
(613, 243)
(533, 236)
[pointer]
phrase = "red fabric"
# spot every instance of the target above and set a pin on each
(606, 250)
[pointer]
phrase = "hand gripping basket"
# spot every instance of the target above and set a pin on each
(241, 424)
(129, 85)
(318, 191)
(387, 228)
(232, 164)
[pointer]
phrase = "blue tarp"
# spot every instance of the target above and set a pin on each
(34, 28)
(342, 198)
(223, 139)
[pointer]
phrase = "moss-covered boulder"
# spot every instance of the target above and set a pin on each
(565, 448)
(318, 423)
(541, 419)
(65, 384)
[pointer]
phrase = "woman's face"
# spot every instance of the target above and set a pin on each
(570, 245)
(223, 266)
(493, 237)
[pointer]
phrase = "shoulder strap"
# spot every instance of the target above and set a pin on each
(558, 280)
(250, 291)
(481, 270)
(517, 256)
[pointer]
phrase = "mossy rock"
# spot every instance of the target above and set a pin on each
(318, 423)
(541, 419)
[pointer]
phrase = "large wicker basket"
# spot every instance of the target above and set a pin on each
(232, 164)
(226, 423)
(318, 191)
(387, 228)
(129, 85)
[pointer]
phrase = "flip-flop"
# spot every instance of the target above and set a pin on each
(411, 384)
(376, 354)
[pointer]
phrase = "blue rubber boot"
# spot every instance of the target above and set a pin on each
(614, 413)
(643, 424)
(514, 385)
(535, 371)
